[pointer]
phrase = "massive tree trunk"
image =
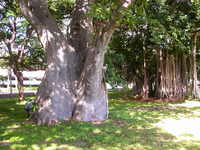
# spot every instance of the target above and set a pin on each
(56, 95)
(92, 104)
(73, 85)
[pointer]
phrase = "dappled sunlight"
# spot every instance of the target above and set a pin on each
(188, 104)
(183, 128)
(13, 126)
(186, 126)
(45, 146)
(16, 138)
(131, 126)
(96, 131)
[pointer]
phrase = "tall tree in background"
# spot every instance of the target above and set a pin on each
(19, 46)
(165, 34)
(15, 36)
(73, 85)
(191, 9)
(195, 29)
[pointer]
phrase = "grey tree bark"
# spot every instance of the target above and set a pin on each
(73, 85)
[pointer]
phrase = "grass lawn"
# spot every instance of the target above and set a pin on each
(131, 125)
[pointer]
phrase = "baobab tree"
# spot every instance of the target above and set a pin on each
(73, 85)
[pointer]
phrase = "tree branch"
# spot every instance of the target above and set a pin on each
(14, 30)
(21, 51)
(27, 12)
(36, 11)
(110, 25)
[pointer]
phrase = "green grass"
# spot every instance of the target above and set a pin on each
(131, 125)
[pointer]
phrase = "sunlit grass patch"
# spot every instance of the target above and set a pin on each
(132, 125)
(186, 129)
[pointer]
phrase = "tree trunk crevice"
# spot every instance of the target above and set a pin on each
(92, 104)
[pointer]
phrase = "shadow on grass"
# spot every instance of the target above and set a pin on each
(129, 127)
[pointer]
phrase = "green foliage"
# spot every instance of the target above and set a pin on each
(124, 57)
(131, 126)
(107, 12)
(153, 24)
(113, 76)
(33, 54)
(36, 56)
(61, 9)
(102, 11)
(171, 30)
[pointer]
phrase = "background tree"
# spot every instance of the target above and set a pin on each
(165, 33)
(18, 42)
